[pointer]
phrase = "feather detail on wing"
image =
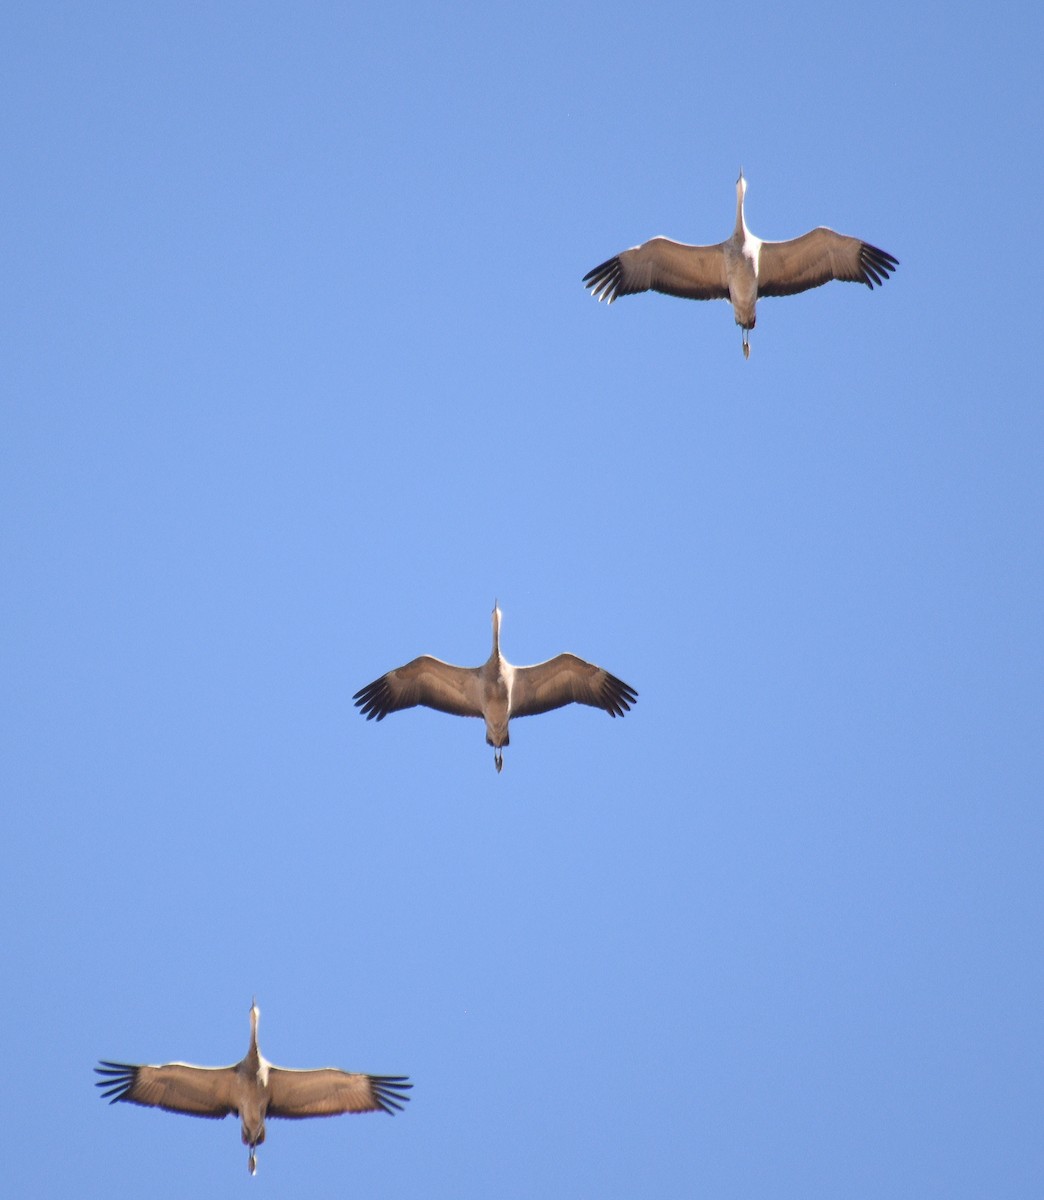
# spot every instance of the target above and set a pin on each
(817, 257)
(328, 1092)
(177, 1087)
(425, 680)
(567, 679)
(660, 265)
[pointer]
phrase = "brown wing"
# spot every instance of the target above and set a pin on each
(426, 680)
(177, 1087)
(660, 265)
(817, 257)
(328, 1092)
(567, 679)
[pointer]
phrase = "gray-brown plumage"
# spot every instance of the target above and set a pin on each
(496, 691)
(740, 269)
(252, 1088)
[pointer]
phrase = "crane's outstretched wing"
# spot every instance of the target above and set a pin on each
(425, 680)
(567, 679)
(660, 265)
(815, 258)
(327, 1092)
(177, 1087)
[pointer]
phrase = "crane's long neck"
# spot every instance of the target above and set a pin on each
(255, 1015)
(496, 633)
(741, 189)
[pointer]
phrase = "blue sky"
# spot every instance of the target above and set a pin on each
(299, 375)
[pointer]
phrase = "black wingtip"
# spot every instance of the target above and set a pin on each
(617, 696)
(390, 1092)
(877, 265)
(604, 280)
(117, 1079)
(371, 700)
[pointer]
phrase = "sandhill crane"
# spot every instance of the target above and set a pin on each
(741, 269)
(252, 1088)
(496, 691)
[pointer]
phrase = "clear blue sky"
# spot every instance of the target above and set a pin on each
(298, 375)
